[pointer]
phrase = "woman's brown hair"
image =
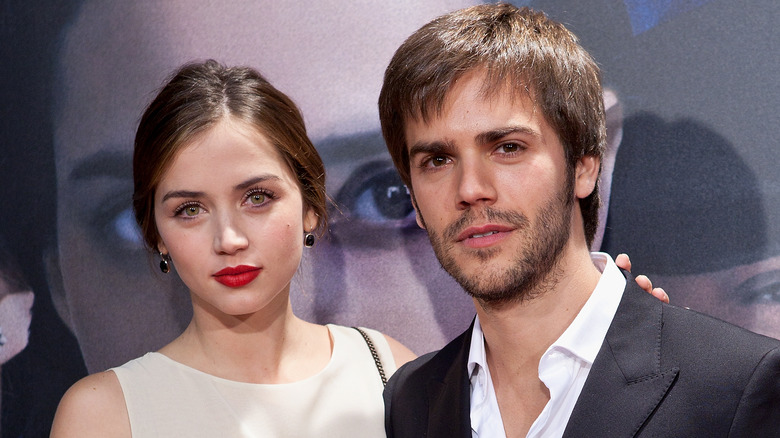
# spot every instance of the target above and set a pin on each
(196, 98)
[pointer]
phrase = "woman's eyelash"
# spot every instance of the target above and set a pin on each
(270, 195)
(180, 209)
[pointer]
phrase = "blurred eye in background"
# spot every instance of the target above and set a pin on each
(123, 225)
(763, 288)
(114, 223)
(374, 194)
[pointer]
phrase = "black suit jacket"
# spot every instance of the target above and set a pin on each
(662, 371)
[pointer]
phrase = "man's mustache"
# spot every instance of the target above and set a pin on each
(485, 214)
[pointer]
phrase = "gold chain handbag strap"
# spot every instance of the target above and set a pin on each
(374, 354)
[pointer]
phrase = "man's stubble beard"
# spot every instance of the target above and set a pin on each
(535, 265)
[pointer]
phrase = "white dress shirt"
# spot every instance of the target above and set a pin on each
(564, 366)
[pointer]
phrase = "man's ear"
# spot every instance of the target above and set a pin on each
(51, 263)
(586, 175)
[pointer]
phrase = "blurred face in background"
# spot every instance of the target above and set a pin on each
(374, 267)
(745, 295)
(15, 306)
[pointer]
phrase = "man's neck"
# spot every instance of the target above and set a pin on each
(517, 335)
(526, 328)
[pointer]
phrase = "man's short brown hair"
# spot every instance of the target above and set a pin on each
(517, 47)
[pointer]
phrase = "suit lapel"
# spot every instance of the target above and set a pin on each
(449, 394)
(626, 382)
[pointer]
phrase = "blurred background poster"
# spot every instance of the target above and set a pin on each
(692, 175)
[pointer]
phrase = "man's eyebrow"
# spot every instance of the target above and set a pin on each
(113, 164)
(495, 135)
(430, 148)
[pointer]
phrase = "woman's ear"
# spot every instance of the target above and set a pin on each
(161, 248)
(310, 220)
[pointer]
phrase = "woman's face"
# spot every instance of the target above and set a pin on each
(230, 215)
(373, 268)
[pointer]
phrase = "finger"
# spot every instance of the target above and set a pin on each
(660, 294)
(623, 261)
(644, 283)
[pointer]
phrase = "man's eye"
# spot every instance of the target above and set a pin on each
(438, 161)
(375, 193)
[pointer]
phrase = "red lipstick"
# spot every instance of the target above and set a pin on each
(237, 276)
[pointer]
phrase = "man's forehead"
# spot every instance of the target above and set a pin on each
(489, 89)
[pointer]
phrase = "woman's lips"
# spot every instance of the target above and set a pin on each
(237, 276)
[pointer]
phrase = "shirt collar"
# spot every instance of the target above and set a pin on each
(584, 336)
(477, 364)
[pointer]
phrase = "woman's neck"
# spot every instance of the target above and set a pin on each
(268, 346)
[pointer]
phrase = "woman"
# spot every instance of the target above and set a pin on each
(229, 189)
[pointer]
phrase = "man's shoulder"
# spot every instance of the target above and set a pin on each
(423, 383)
(688, 336)
(683, 325)
(435, 364)
(660, 365)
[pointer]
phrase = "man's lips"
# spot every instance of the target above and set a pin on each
(237, 276)
(485, 235)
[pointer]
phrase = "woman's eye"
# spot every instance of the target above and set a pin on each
(189, 211)
(257, 198)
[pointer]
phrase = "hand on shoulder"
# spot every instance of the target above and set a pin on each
(623, 261)
(93, 407)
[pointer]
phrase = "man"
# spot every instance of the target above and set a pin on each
(494, 117)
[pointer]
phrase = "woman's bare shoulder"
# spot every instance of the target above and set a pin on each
(401, 353)
(93, 407)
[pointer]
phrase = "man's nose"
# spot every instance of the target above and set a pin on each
(475, 179)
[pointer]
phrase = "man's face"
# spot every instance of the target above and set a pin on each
(493, 191)
(114, 58)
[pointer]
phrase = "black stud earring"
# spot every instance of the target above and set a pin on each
(165, 267)
(308, 240)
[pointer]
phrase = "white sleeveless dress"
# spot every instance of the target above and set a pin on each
(167, 399)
